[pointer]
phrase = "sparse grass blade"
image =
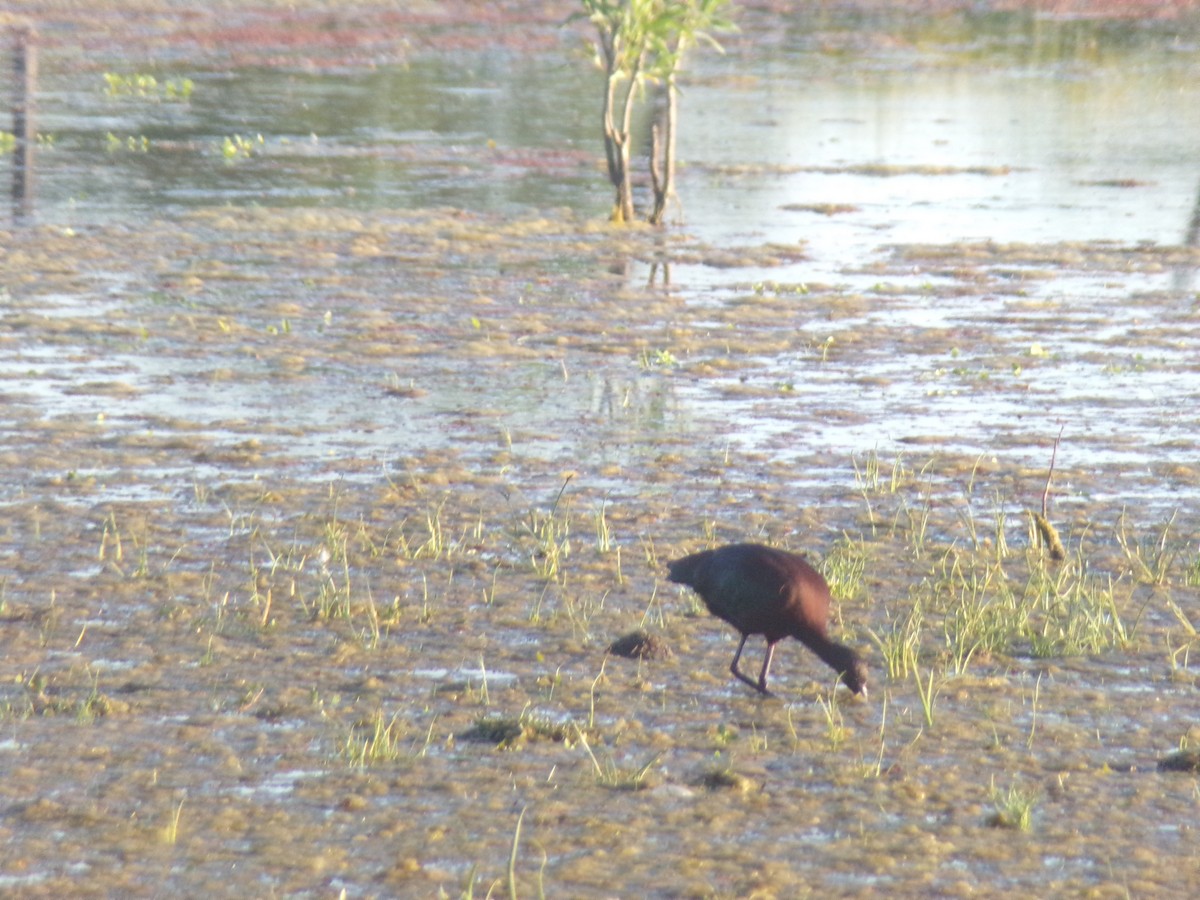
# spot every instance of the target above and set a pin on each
(927, 691)
(512, 856)
(1149, 558)
(900, 641)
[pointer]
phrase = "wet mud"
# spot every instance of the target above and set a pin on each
(320, 522)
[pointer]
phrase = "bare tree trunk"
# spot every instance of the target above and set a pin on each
(616, 145)
(625, 188)
(617, 169)
(615, 152)
(662, 155)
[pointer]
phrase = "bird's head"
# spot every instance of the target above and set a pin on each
(855, 675)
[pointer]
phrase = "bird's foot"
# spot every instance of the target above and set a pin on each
(758, 684)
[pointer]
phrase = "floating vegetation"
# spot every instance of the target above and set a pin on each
(238, 147)
(147, 87)
(134, 144)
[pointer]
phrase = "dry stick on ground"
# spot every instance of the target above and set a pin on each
(1045, 530)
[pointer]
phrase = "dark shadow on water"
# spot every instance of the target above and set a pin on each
(1185, 276)
(25, 75)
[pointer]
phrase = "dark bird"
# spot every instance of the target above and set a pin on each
(761, 590)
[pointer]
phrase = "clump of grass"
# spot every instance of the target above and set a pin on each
(610, 775)
(835, 726)
(170, 831)
(510, 732)
(918, 521)
(503, 731)
(984, 608)
(551, 534)
(721, 777)
(44, 700)
(1000, 518)
(1149, 559)
(657, 359)
(1012, 808)
(980, 614)
(844, 567)
(376, 740)
(1071, 612)
(874, 768)
(580, 609)
(1191, 574)
(438, 542)
(876, 477)
(723, 735)
(333, 577)
(900, 642)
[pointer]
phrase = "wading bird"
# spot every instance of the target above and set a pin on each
(762, 590)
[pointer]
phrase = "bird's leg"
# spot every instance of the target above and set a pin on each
(761, 684)
(733, 667)
(762, 676)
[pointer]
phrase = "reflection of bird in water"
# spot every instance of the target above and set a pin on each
(762, 590)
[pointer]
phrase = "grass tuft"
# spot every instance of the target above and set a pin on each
(509, 732)
(610, 775)
(1012, 808)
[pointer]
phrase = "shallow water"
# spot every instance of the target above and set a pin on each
(1008, 129)
(382, 427)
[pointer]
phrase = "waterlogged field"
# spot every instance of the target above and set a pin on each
(319, 520)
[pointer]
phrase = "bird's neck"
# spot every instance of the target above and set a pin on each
(837, 656)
